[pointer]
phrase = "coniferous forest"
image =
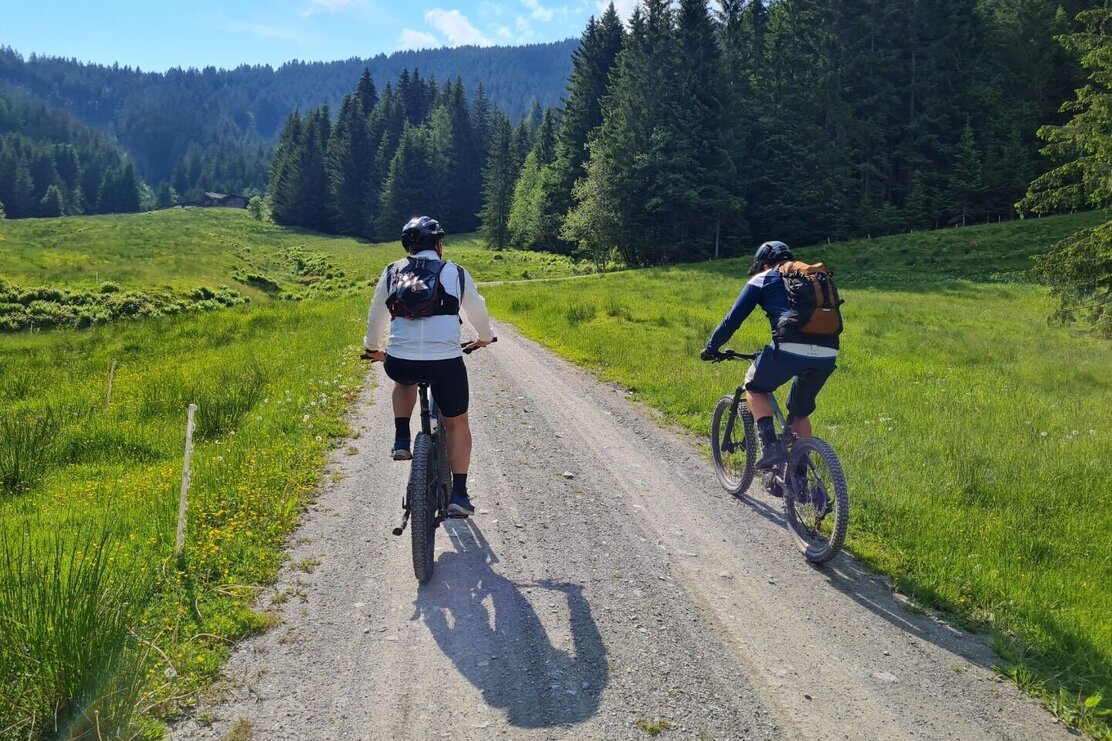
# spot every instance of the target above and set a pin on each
(692, 131)
(212, 129)
(53, 165)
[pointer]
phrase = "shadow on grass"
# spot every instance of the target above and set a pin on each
(494, 636)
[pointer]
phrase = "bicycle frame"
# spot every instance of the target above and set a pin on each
(786, 433)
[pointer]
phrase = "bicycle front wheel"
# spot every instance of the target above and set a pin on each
(817, 501)
(422, 507)
(734, 453)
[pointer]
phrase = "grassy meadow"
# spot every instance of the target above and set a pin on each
(97, 618)
(183, 248)
(974, 435)
(971, 431)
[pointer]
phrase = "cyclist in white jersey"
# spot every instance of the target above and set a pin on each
(426, 345)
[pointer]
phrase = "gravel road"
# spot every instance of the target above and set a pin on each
(606, 588)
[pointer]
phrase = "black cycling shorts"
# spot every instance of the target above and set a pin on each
(446, 378)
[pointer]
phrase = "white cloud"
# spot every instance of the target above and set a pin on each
(489, 9)
(504, 32)
(539, 11)
(456, 27)
(411, 39)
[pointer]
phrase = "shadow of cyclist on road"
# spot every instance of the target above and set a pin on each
(492, 632)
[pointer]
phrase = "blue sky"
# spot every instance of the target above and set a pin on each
(156, 35)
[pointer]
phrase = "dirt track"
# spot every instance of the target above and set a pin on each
(581, 606)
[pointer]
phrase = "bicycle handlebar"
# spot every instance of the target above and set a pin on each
(735, 355)
(468, 352)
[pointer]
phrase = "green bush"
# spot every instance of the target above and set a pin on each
(44, 307)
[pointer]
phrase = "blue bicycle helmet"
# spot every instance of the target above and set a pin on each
(770, 253)
(421, 232)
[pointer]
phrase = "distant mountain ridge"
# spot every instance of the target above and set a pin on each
(159, 116)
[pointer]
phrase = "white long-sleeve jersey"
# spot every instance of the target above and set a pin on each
(432, 337)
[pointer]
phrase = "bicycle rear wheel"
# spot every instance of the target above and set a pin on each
(422, 507)
(817, 501)
(733, 455)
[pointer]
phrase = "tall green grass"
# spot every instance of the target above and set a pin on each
(975, 438)
(101, 629)
(183, 249)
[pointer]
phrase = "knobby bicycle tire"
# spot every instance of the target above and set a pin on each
(743, 435)
(422, 507)
(818, 537)
(443, 468)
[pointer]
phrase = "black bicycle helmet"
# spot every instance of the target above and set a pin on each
(770, 253)
(421, 231)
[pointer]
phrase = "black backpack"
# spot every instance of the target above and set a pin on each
(815, 304)
(417, 292)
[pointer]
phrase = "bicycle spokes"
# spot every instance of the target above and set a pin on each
(818, 506)
(733, 441)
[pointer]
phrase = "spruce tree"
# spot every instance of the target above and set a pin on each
(498, 185)
(592, 64)
(314, 206)
(285, 173)
(347, 160)
(407, 191)
(965, 178)
(365, 92)
(715, 193)
(127, 190)
(531, 225)
(1079, 268)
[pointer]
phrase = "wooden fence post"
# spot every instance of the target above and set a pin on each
(185, 475)
(111, 375)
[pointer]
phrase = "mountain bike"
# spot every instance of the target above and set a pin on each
(811, 482)
(430, 485)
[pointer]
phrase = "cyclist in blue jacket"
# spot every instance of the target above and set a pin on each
(809, 358)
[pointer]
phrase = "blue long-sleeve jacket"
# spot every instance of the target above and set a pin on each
(765, 289)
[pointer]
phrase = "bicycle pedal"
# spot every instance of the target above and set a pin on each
(456, 516)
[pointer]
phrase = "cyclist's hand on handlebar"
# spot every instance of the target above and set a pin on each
(476, 344)
(712, 356)
(373, 355)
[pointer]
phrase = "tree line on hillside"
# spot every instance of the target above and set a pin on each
(53, 165)
(691, 133)
(420, 147)
(184, 126)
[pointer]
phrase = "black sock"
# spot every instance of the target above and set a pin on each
(401, 428)
(766, 431)
(459, 483)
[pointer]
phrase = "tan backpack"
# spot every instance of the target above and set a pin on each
(813, 297)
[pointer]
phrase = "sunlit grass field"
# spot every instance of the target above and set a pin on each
(975, 437)
(97, 619)
(185, 248)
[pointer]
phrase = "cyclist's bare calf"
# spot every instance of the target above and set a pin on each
(404, 399)
(459, 443)
(761, 407)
